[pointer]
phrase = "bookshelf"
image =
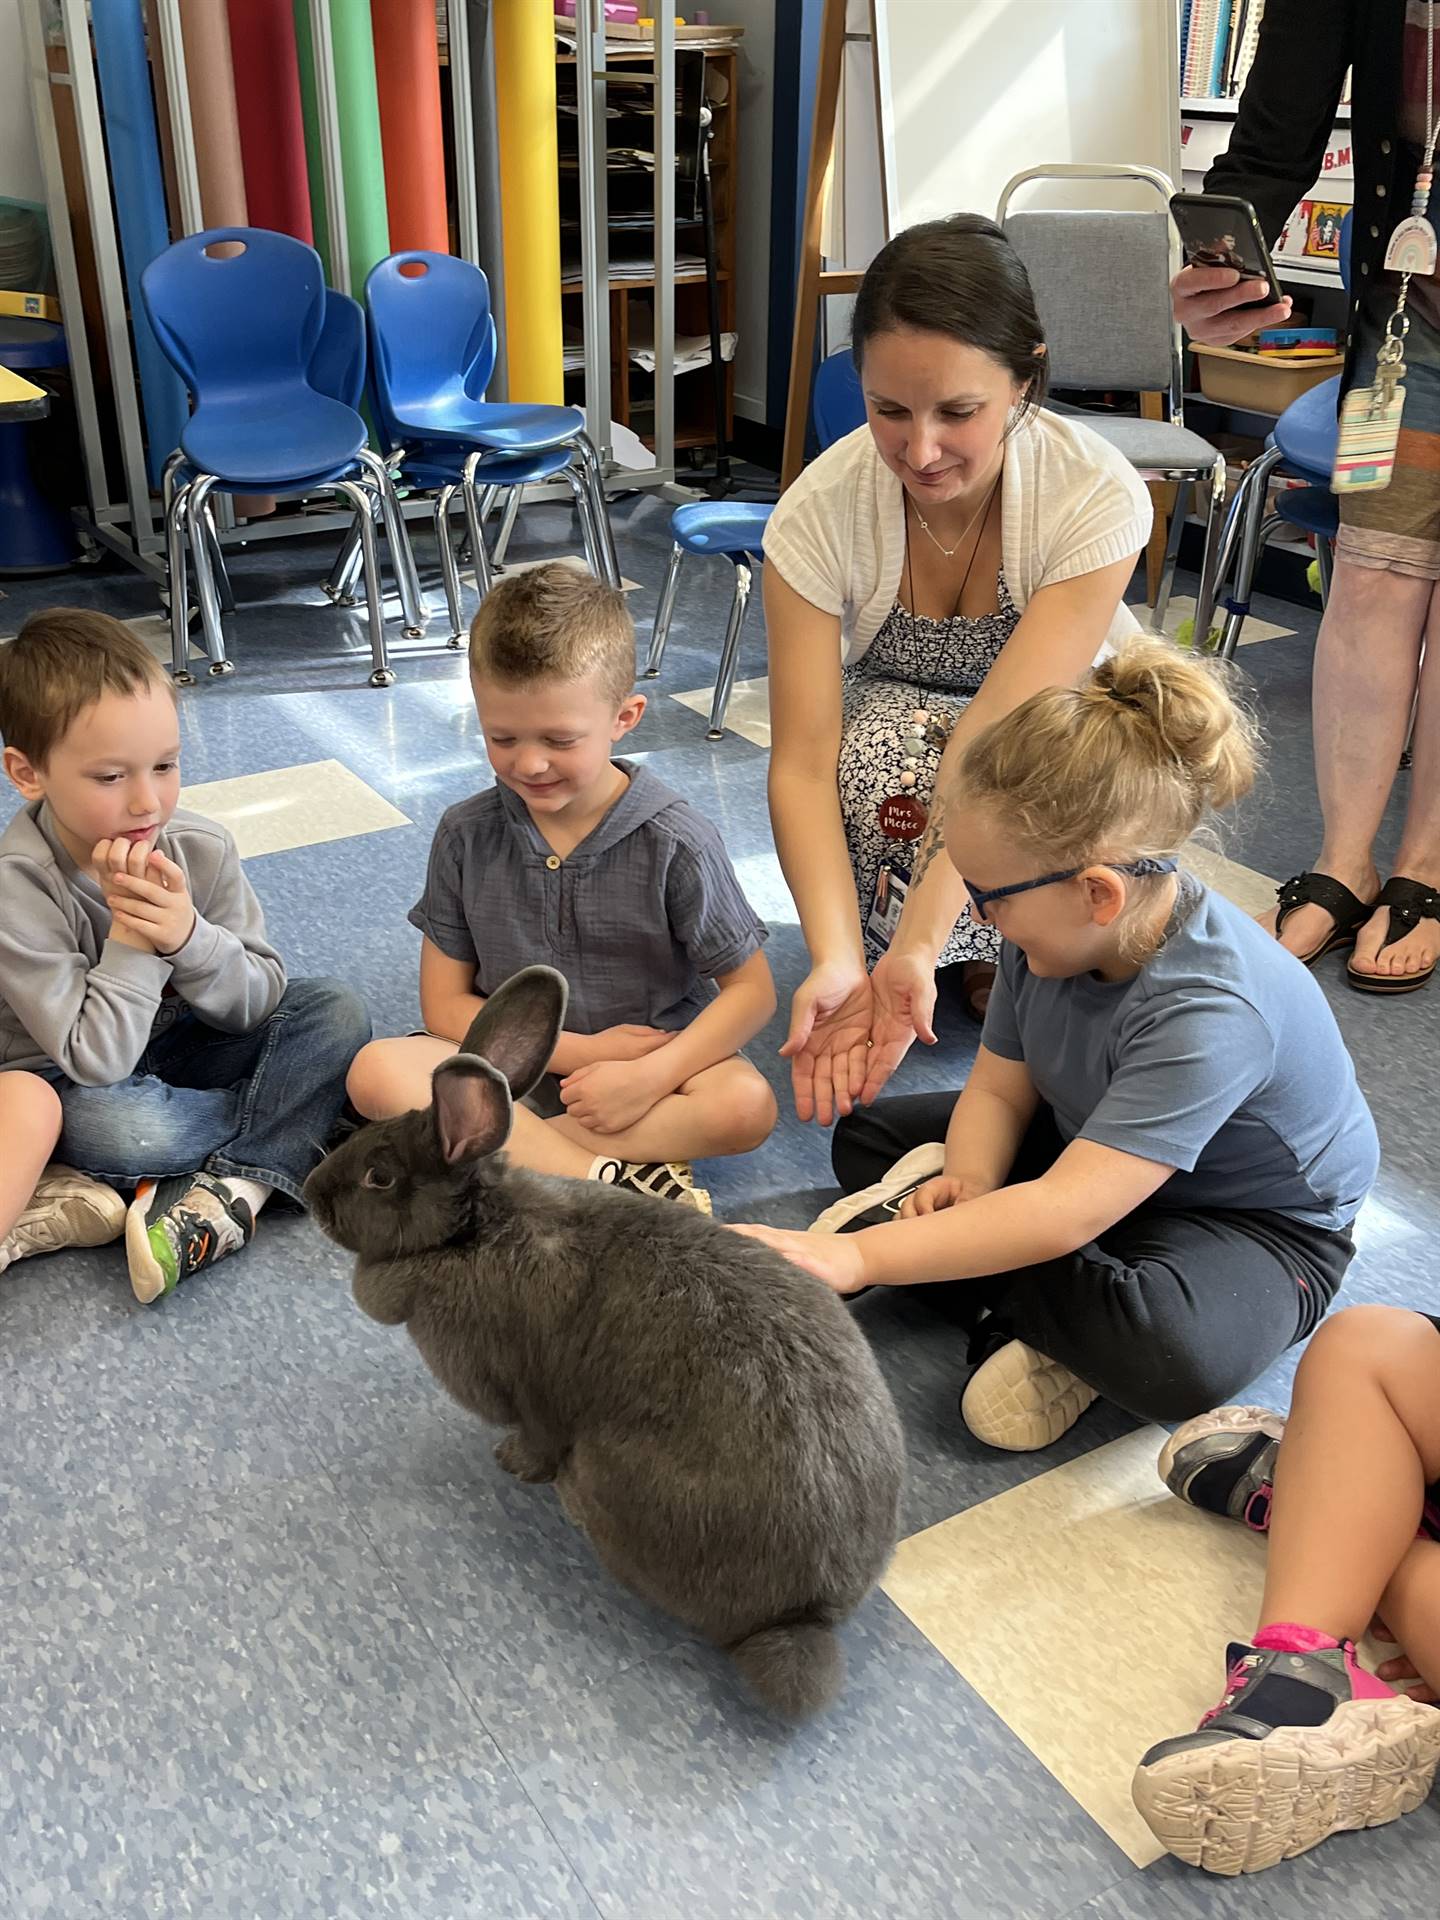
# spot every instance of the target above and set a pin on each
(630, 128)
(1217, 46)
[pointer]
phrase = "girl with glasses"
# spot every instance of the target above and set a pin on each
(1146, 1189)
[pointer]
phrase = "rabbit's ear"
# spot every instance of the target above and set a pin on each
(472, 1108)
(518, 1026)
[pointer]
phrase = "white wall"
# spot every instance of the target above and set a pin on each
(1008, 84)
(756, 68)
(20, 177)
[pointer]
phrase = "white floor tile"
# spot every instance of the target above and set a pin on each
(293, 807)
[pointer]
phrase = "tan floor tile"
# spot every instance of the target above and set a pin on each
(293, 807)
(1182, 607)
(1091, 1611)
(748, 713)
(1252, 892)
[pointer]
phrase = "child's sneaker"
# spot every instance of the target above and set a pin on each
(1303, 1745)
(872, 1206)
(67, 1209)
(1225, 1462)
(176, 1227)
(1022, 1400)
(657, 1180)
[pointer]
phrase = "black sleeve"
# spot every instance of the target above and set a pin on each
(1287, 111)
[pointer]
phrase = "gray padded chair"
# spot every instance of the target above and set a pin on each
(1102, 286)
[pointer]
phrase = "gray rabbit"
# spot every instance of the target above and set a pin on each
(710, 1415)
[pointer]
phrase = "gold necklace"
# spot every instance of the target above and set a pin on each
(950, 552)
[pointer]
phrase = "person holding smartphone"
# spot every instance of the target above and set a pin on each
(1372, 663)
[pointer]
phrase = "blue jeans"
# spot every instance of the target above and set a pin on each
(259, 1105)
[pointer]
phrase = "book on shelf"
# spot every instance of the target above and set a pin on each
(1217, 46)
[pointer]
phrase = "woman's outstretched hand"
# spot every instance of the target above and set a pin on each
(828, 1043)
(903, 999)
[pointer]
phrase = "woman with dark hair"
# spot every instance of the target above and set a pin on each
(962, 550)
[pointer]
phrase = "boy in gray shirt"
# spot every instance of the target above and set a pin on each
(147, 1032)
(597, 868)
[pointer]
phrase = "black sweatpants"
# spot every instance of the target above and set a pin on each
(1168, 1313)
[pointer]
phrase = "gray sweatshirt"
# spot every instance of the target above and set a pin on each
(73, 998)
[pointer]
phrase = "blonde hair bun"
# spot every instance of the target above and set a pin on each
(1126, 766)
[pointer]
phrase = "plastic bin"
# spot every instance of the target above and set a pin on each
(1235, 379)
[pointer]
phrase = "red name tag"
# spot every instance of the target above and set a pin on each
(901, 818)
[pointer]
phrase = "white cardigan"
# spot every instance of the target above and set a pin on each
(1069, 505)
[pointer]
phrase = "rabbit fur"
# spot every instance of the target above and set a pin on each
(709, 1414)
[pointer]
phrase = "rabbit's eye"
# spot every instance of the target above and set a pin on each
(381, 1182)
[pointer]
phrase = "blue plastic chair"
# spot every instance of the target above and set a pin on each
(257, 338)
(736, 529)
(432, 351)
(1300, 446)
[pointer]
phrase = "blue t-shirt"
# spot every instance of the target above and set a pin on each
(1221, 1058)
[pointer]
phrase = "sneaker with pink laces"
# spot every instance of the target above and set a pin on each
(1304, 1743)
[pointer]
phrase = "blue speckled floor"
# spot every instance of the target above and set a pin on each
(278, 1637)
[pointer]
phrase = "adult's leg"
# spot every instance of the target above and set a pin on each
(1419, 854)
(1366, 661)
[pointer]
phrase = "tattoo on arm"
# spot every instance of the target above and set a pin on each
(930, 844)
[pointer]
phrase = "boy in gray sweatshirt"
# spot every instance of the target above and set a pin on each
(147, 1031)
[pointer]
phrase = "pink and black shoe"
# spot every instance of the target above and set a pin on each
(1305, 1743)
(1225, 1462)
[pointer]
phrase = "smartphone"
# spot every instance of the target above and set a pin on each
(1220, 230)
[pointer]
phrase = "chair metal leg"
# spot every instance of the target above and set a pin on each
(1214, 523)
(660, 632)
(381, 674)
(474, 523)
(599, 509)
(217, 562)
(507, 527)
(340, 587)
(730, 652)
(179, 580)
(197, 494)
(1325, 560)
(575, 480)
(449, 566)
(1178, 515)
(1251, 518)
(402, 554)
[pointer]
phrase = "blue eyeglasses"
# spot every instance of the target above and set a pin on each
(1140, 869)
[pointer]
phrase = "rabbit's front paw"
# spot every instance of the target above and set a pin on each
(517, 1456)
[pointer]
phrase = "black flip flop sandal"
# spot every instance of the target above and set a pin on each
(1409, 902)
(1346, 909)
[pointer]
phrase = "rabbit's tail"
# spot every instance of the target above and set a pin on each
(795, 1669)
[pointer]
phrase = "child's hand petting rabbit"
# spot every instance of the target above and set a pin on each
(710, 1415)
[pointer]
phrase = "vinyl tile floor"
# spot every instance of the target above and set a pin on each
(280, 1640)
